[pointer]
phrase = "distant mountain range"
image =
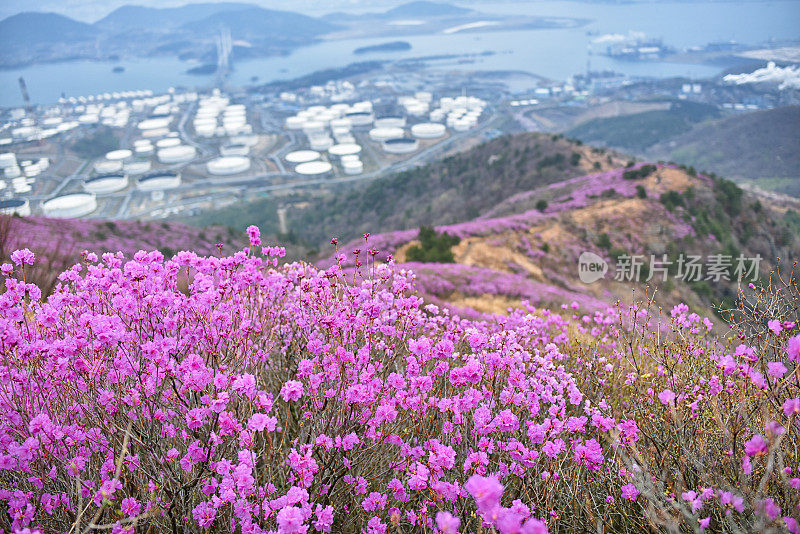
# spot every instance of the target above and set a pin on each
(410, 10)
(639, 131)
(43, 28)
(187, 31)
(131, 17)
(760, 147)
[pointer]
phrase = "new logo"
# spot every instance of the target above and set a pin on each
(591, 267)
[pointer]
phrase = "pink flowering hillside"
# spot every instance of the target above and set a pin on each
(270, 398)
(58, 242)
(528, 246)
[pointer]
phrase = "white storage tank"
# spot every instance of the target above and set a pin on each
(119, 155)
(390, 122)
(342, 123)
(428, 130)
(12, 172)
(314, 168)
(417, 109)
(437, 115)
(168, 142)
(384, 133)
(159, 181)
(322, 142)
(137, 167)
(70, 206)
(312, 127)
(22, 188)
(365, 105)
(107, 166)
(8, 159)
(155, 133)
(360, 118)
(344, 149)
(177, 154)
(206, 130)
(32, 170)
(295, 123)
(18, 206)
(106, 183)
(352, 167)
(340, 132)
(144, 149)
(228, 165)
(155, 123)
(301, 156)
(400, 145)
(463, 124)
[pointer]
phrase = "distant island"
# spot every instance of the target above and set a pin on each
(208, 68)
(394, 46)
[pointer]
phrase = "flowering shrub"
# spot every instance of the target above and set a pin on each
(266, 398)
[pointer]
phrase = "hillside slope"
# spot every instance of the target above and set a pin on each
(58, 243)
(258, 24)
(134, 17)
(518, 253)
(636, 132)
(186, 32)
(457, 189)
(762, 147)
(32, 29)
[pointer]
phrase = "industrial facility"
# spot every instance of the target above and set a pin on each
(173, 148)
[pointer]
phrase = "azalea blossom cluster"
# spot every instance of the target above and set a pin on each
(234, 394)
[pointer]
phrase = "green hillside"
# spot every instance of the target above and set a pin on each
(456, 189)
(640, 131)
(762, 147)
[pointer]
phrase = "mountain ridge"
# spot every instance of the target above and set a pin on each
(534, 254)
(131, 16)
(184, 31)
(32, 28)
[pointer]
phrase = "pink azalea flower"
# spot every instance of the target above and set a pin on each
(756, 445)
(775, 326)
(22, 256)
(629, 492)
(776, 369)
(485, 490)
(793, 349)
(292, 390)
(666, 397)
(447, 523)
